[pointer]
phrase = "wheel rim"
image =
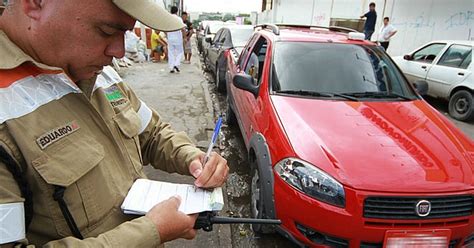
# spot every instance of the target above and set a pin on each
(255, 194)
(461, 105)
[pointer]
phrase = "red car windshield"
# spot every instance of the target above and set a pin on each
(329, 68)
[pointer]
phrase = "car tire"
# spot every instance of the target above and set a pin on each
(461, 105)
(220, 80)
(257, 205)
(230, 117)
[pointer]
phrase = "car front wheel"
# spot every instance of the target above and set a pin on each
(461, 105)
(220, 80)
(256, 203)
(230, 117)
(257, 207)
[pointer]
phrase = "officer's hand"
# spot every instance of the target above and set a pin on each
(171, 223)
(213, 174)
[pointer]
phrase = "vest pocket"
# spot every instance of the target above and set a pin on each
(129, 124)
(75, 165)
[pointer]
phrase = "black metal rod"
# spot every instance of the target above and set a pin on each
(230, 220)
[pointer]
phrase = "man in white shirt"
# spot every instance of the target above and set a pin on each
(175, 45)
(386, 32)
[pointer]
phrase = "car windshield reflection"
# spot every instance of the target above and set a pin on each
(359, 71)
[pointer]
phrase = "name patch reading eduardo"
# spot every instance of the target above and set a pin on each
(56, 134)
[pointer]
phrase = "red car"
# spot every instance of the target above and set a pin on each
(342, 148)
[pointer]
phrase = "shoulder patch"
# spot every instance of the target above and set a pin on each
(115, 96)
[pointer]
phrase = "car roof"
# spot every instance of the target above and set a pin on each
(314, 34)
(235, 27)
(460, 42)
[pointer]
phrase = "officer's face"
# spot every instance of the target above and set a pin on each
(81, 36)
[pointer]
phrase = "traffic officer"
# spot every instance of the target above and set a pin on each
(74, 137)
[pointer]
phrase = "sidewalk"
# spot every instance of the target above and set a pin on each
(183, 100)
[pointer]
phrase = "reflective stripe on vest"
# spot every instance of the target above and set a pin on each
(107, 78)
(12, 222)
(27, 87)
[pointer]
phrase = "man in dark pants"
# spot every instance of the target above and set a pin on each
(370, 21)
(386, 32)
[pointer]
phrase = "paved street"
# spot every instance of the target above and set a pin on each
(183, 101)
(442, 106)
(190, 103)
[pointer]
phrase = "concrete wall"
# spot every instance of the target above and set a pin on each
(417, 21)
(425, 20)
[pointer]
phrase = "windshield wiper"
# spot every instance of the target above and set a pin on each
(378, 94)
(316, 94)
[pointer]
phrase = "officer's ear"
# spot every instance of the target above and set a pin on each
(32, 8)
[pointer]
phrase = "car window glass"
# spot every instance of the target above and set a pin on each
(335, 68)
(467, 61)
(217, 37)
(223, 37)
(243, 56)
(228, 40)
(455, 56)
(428, 53)
(254, 66)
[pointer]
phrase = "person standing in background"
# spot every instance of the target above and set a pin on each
(386, 32)
(187, 38)
(370, 21)
(158, 45)
(165, 40)
(175, 45)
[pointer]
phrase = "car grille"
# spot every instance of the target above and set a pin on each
(404, 207)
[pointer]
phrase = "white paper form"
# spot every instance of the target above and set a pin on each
(145, 194)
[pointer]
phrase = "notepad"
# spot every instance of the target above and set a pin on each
(145, 194)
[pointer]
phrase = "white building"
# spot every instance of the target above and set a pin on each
(417, 21)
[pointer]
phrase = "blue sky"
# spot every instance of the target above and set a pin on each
(239, 6)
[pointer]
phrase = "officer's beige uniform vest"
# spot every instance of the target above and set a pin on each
(91, 138)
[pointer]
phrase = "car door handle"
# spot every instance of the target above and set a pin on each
(423, 67)
(461, 73)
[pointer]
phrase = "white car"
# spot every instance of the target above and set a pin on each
(447, 69)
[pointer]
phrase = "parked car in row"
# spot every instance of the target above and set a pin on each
(342, 148)
(228, 41)
(446, 67)
(204, 31)
(210, 31)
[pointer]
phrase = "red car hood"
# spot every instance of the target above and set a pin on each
(379, 146)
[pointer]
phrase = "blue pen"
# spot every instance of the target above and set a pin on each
(213, 139)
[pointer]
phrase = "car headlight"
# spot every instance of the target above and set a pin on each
(311, 181)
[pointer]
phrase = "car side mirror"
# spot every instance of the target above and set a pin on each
(245, 82)
(208, 40)
(421, 87)
(408, 57)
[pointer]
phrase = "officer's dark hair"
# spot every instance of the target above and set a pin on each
(372, 4)
(184, 13)
(386, 18)
(174, 10)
